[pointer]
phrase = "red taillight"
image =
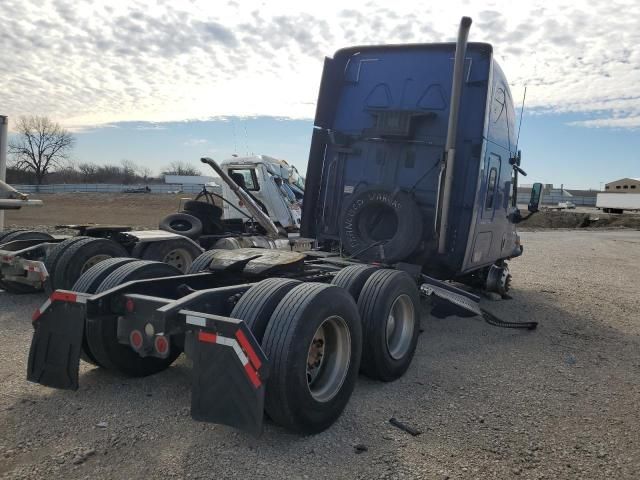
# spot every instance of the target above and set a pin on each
(161, 344)
(130, 306)
(135, 338)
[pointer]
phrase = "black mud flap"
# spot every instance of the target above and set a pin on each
(450, 296)
(54, 356)
(229, 372)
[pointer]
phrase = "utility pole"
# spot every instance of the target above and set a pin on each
(4, 128)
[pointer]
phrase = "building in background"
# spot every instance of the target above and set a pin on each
(624, 185)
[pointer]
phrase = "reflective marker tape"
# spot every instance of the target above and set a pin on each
(41, 310)
(208, 337)
(255, 361)
(192, 320)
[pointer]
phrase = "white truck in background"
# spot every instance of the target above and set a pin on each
(618, 202)
(276, 186)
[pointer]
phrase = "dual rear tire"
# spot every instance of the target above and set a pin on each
(100, 345)
(317, 338)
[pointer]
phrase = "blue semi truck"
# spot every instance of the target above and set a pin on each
(411, 185)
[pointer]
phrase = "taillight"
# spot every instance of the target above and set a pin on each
(130, 306)
(162, 344)
(135, 338)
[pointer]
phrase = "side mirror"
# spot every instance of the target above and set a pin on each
(536, 196)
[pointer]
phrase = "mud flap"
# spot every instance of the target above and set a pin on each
(451, 296)
(229, 372)
(54, 356)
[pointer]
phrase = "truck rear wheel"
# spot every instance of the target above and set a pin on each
(353, 278)
(80, 257)
(313, 342)
(258, 303)
(202, 262)
(10, 236)
(4, 233)
(389, 305)
(26, 235)
(89, 282)
(102, 335)
(51, 260)
(179, 253)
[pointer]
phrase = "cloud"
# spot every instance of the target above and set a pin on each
(87, 63)
(195, 142)
(630, 122)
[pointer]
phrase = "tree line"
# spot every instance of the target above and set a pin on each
(40, 152)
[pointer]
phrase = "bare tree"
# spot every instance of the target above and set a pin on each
(145, 173)
(180, 167)
(40, 146)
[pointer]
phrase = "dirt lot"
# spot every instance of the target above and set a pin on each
(141, 210)
(559, 402)
(146, 211)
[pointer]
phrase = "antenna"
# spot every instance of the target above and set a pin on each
(235, 143)
(521, 113)
(246, 138)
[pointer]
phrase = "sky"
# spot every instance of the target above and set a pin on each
(159, 81)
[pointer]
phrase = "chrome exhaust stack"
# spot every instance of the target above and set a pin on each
(452, 131)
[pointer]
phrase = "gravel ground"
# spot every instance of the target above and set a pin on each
(559, 402)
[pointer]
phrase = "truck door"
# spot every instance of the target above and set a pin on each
(491, 181)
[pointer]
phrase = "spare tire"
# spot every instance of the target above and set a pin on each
(182, 224)
(378, 225)
(205, 208)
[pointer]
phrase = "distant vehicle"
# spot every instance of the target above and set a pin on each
(567, 205)
(275, 185)
(617, 202)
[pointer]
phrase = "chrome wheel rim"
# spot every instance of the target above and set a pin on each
(178, 258)
(328, 358)
(93, 261)
(400, 325)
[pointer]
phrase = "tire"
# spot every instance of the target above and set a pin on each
(289, 400)
(205, 208)
(26, 235)
(353, 278)
(385, 358)
(102, 331)
(210, 215)
(258, 303)
(210, 226)
(89, 282)
(4, 233)
(80, 257)
(201, 264)
(377, 225)
(51, 260)
(182, 224)
(179, 253)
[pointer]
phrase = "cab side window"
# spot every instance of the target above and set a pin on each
(491, 188)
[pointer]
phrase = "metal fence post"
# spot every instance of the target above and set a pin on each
(4, 127)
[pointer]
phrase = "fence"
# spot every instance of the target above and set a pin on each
(555, 198)
(107, 188)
